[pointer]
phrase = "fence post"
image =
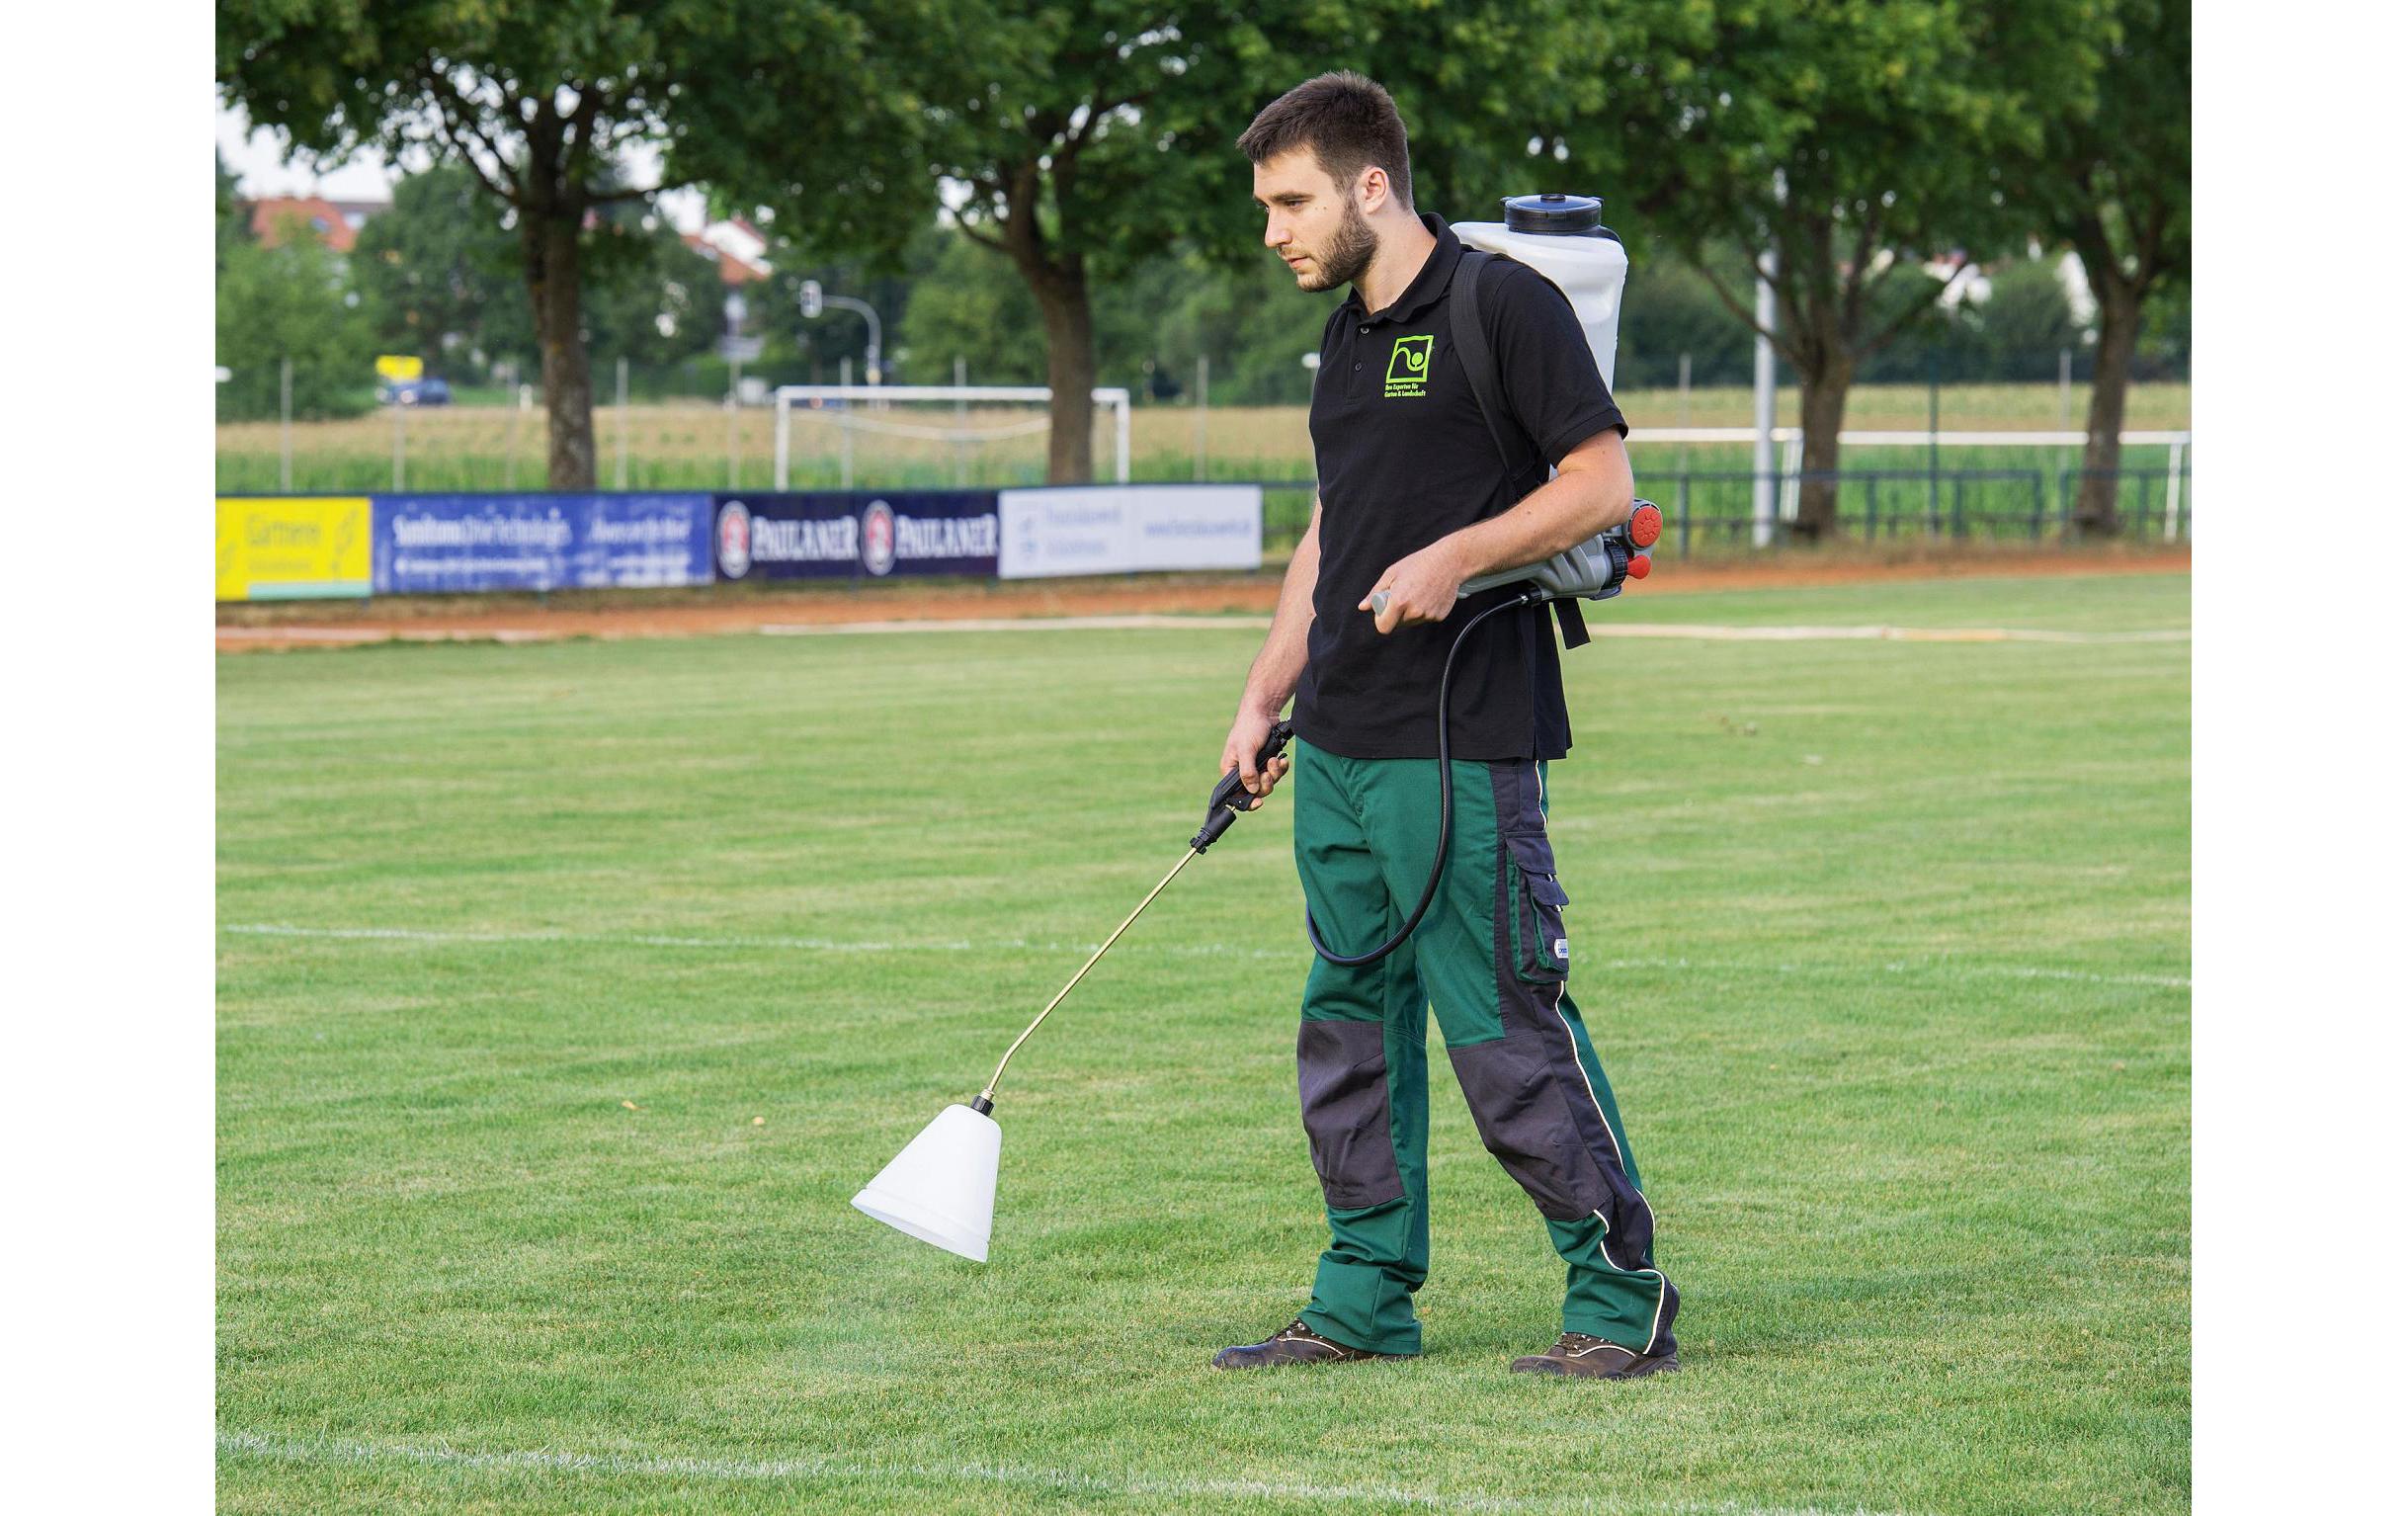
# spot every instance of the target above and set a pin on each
(1203, 402)
(2065, 407)
(509, 442)
(622, 423)
(1765, 503)
(736, 404)
(1682, 508)
(400, 446)
(284, 408)
(843, 424)
(1956, 507)
(1931, 502)
(2173, 492)
(962, 422)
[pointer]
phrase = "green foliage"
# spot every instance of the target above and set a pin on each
(1824, 134)
(649, 297)
(2112, 173)
(2164, 350)
(441, 276)
(969, 303)
(539, 98)
(1668, 308)
(291, 302)
(233, 216)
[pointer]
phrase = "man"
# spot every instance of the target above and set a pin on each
(1413, 501)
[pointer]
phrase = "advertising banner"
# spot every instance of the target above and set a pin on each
(291, 548)
(464, 544)
(852, 535)
(1117, 528)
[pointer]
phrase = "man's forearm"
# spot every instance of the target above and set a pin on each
(1280, 663)
(1570, 508)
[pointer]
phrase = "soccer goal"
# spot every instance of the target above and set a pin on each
(930, 434)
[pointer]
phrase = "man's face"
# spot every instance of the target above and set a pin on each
(1311, 223)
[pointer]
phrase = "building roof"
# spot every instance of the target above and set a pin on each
(333, 223)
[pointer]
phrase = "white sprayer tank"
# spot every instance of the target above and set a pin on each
(1559, 235)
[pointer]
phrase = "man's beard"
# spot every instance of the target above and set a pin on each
(1349, 252)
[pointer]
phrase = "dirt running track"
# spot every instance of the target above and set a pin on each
(259, 628)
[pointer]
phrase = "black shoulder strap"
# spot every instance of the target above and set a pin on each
(1480, 367)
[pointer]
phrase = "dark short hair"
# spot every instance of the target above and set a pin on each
(1348, 121)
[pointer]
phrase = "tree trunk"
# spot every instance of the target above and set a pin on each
(1070, 368)
(552, 244)
(2102, 442)
(1823, 406)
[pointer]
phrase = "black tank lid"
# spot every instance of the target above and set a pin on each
(1554, 216)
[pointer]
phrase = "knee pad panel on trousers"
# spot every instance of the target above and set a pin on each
(1517, 1097)
(1342, 1079)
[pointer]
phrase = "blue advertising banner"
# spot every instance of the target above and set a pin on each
(453, 544)
(855, 535)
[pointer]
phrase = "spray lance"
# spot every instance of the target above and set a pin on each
(940, 1189)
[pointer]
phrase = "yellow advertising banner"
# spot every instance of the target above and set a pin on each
(401, 367)
(289, 547)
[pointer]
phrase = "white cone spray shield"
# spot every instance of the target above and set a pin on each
(941, 1188)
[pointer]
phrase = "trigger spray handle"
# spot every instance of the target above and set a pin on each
(1229, 798)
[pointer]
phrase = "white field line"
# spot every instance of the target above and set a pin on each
(385, 634)
(794, 1470)
(1677, 630)
(1943, 967)
(1134, 623)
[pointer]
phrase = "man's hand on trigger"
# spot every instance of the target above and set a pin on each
(1420, 588)
(1246, 737)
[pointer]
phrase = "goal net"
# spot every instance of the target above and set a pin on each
(931, 435)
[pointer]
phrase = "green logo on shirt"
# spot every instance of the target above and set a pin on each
(1409, 367)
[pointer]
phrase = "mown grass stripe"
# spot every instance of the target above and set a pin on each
(1202, 949)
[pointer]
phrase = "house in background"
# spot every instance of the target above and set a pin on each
(736, 248)
(335, 222)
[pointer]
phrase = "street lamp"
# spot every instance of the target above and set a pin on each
(815, 302)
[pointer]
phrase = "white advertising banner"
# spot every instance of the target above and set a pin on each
(1120, 529)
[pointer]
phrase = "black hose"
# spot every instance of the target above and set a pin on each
(1446, 806)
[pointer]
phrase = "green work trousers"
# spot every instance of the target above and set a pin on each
(1491, 957)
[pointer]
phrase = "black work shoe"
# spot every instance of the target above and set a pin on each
(1295, 1343)
(1580, 1356)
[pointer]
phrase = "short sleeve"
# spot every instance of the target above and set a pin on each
(1544, 364)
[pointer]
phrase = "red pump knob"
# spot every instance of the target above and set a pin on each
(1646, 525)
(1640, 568)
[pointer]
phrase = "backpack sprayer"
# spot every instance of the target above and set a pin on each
(940, 1189)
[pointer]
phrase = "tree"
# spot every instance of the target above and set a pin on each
(651, 299)
(439, 272)
(290, 303)
(1091, 134)
(2025, 322)
(1850, 141)
(2115, 182)
(538, 98)
(1668, 308)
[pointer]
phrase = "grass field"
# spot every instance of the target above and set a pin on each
(566, 992)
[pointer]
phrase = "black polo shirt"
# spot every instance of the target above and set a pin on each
(1403, 459)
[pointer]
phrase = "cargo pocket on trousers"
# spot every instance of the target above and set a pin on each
(1342, 1079)
(1542, 949)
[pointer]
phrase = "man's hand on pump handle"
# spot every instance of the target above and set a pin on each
(1420, 588)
